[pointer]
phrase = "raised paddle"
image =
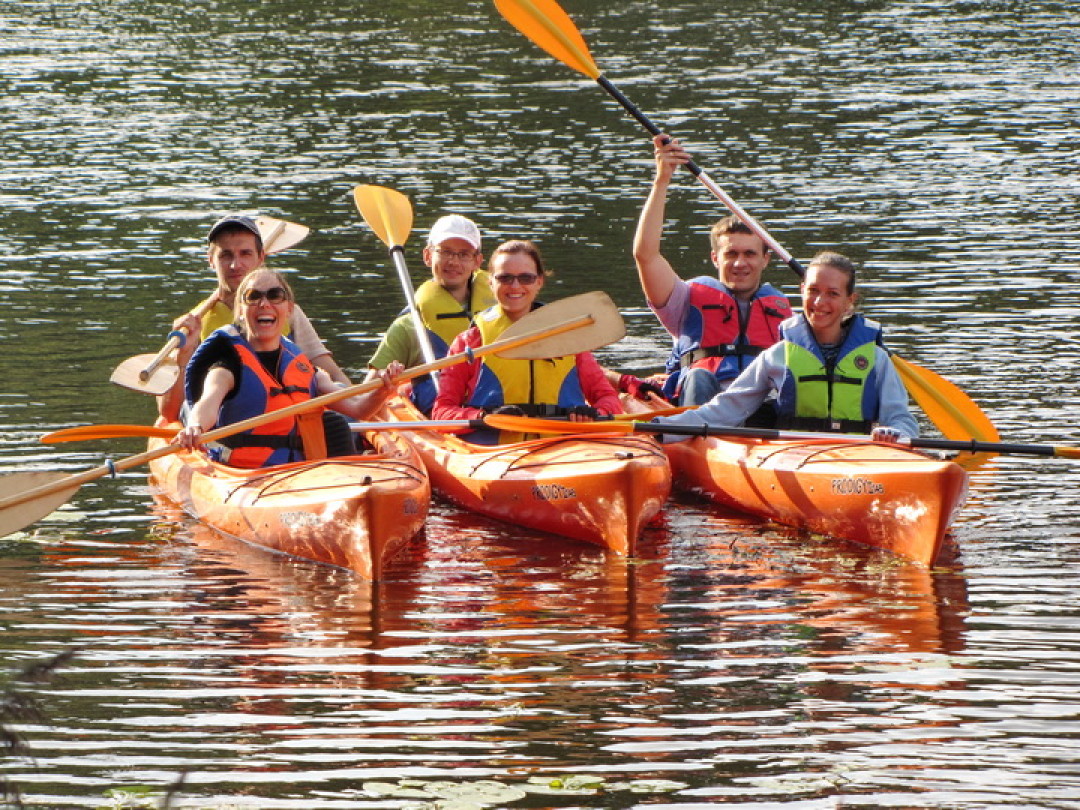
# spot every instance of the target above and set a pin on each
(526, 424)
(548, 26)
(593, 317)
(154, 374)
(389, 214)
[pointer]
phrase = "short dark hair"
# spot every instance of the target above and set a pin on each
(235, 223)
(732, 224)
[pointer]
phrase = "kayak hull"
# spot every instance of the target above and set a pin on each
(883, 496)
(598, 489)
(354, 512)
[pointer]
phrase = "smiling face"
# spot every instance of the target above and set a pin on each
(516, 281)
(233, 254)
(827, 301)
(452, 263)
(265, 305)
(740, 258)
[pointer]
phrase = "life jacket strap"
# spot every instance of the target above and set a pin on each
(290, 441)
(822, 424)
(541, 411)
(721, 350)
(312, 434)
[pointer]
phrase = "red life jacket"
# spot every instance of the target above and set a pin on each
(713, 334)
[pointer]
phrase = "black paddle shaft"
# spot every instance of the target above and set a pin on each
(697, 171)
(971, 446)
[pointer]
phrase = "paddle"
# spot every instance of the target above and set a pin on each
(85, 433)
(155, 374)
(526, 424)
(951, 410)
(548, 26)
(592, 317)
(279, 234)
(389, 214)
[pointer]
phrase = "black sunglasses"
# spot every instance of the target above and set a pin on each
(275, 295)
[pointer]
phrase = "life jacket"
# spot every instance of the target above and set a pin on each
(219, 316)
(292, 438)
(841, 397)
(714, 336)
(445, 319)
(444, 316)
(545, 387)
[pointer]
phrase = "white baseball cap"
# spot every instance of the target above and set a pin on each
(454, 226)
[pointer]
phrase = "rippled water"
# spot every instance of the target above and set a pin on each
(731, 662)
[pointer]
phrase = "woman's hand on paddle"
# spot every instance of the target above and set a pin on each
(887, 435)
(582, 413)
(389, 376)
(189, 437)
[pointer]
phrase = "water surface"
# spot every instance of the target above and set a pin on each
(731, 662)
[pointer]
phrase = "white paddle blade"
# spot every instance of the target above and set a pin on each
(18, 517)
(607, 327)
(131, 372)
(278, 234)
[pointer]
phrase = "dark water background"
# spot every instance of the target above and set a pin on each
(731, 663)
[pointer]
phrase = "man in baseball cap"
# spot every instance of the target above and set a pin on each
(234, 222)
(456, 291)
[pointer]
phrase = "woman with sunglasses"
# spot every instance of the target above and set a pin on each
(250, 368)
(574, 386)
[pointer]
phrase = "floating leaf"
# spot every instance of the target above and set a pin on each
(483, 792)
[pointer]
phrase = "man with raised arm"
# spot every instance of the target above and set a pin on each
(718, 324)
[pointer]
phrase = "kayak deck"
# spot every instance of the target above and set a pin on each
(599, 489)
(354, 511)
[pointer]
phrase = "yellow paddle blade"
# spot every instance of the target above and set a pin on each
(387, 212)
(952, 411)
(278, 234)
(529, 424)
(548, 26)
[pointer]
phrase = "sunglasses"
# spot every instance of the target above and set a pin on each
(524, 279)
(275, 295)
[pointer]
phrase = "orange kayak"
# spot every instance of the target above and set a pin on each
(879, 495)
(354, 512)
(600, 489)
